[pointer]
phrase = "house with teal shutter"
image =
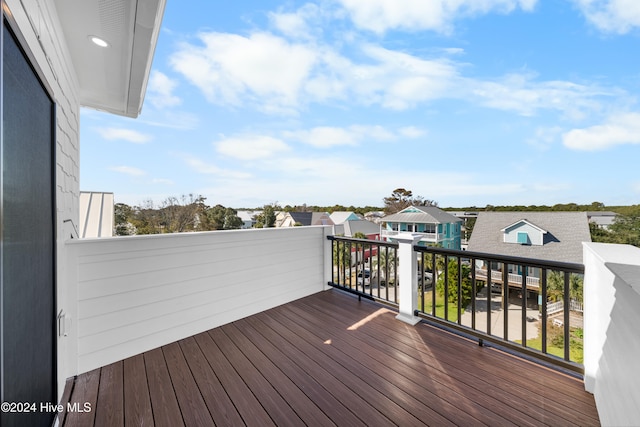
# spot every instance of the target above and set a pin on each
(435, 226)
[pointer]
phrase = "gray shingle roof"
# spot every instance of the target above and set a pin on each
(567, 231)
(428, 215)
(363, 226)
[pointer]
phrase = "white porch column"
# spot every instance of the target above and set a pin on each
(407, 278)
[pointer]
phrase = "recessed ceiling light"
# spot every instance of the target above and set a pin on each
(98, 41)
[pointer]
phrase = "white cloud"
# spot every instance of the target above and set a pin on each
(128, 170)
(274, 75)
(160, 92)
(412, 132)
(124, 134)
(413, 15)
(301, 24)
(209, 169)
(611, 16)
(618, 130)
(327, 137)
(250, 147)
(523, 94)
(544, 137)
(261, 68)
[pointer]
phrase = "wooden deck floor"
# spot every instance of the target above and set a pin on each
(327, 359)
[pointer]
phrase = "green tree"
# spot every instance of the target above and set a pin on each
(267, 218)
(555, 286)
(452, 273)
(222, 218)
(122, 220)
(626, 229)
(401, 198)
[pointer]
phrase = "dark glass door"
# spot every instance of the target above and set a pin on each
(27, 243)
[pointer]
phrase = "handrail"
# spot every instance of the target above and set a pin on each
(480, 294)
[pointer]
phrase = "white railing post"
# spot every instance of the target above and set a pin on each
(407, 278)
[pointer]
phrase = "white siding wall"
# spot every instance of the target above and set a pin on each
(137, 293)
(611, 339)
(38, 24)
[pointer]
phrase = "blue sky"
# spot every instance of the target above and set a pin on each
(467, 102)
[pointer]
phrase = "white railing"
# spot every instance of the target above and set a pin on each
(555, 307)
(128, 295)
(514, 279)
(423, 236)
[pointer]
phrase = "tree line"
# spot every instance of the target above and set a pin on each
(174, 215)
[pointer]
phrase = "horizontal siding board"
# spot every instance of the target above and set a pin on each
(110, 312)
(148, 260)
(138, 294)
(255, 265)
(240, 303)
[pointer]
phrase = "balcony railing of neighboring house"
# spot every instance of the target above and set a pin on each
(366, 267)
(558, 306)
(128, 295)
(513, 279)
(432, 237)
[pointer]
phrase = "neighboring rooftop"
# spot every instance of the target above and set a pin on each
(422, 215)
(565, 232)
(96, 214)
(338, 217)
(366, 227)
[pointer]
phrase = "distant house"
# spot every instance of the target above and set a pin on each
(350, 228)
(340, 217)
(602, 219)
(435, 226)
(292, 219)
(248, 218)
(374, 216)
(555, 236)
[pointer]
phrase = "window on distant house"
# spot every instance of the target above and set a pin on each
(429, 228)
(523, 238)
(410, 227)
(394, 227)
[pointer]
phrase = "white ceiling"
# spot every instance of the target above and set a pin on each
(114, 78)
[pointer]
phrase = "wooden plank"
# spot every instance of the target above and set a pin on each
(388, 398)
(487, 395)
(220, 405)
(64, 399)
(439, 392)
(266, 341)
(194, 410)
(137, 401)
(426, 402)
(110, 406)
(277, 408)
(85, 391)
(548, 390)
(251, 411)
(164, 403)
(305, 407)
(359, 407)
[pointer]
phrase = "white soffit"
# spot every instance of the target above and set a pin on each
(112, 78)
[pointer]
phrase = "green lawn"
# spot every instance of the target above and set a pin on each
(452, 310)
(575, 346)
